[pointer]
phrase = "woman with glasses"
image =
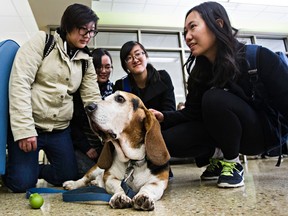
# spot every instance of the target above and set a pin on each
(41, 93)
(87, 145)
(103, 64)
(224, 112)
(153, 86)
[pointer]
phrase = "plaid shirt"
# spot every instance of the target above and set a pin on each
(106, 88)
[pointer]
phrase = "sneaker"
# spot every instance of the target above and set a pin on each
(231, 175)
(213, 170)
(171, 175)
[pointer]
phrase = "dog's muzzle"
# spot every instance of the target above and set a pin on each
(89, 110)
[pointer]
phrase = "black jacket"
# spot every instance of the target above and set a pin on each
(158, 94)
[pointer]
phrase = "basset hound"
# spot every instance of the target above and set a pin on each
(134, 153)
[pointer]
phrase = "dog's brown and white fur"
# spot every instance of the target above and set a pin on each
(130, 132)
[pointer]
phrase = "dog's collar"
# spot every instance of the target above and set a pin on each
(137, 163)
(129, 176)
(130, 168)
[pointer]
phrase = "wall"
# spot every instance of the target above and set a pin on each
(17, 21)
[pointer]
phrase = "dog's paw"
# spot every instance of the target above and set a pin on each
(94, 182)
(70, 185)
(143, 202)
(120, 201)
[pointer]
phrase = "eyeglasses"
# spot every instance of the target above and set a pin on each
(104, 67)
(83, 31)
(137, 55)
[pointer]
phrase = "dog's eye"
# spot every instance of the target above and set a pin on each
(119, 99)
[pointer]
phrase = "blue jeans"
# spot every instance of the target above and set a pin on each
(23, 169)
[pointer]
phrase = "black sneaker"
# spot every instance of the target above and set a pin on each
(231, 175)
(171, 175)
(213, 170)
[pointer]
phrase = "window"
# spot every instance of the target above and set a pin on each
(117, 72)
(273, 44)
(108, 39)
(245, 40)
(163, 40)
(171, 62)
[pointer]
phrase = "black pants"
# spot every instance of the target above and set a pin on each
(229, 123)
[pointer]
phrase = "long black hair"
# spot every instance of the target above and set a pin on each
(225, 67)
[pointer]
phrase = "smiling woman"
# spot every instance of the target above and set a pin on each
(223, 115)
(154, 87)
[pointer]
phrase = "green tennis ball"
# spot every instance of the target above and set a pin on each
(36, 200)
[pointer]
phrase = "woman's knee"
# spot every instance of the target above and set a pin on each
(21, 172)
(214, 97)
(19, 183)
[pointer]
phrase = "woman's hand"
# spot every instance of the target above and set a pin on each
(28, 144)
(159, 116)
(92, 153)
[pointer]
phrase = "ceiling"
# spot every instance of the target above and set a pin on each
(252, 17)
(49, 12)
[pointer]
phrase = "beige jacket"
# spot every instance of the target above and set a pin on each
(40, 91)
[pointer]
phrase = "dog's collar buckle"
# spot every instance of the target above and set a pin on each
(129, 174)
(130, 169)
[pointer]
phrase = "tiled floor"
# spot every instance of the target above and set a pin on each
(265, 193)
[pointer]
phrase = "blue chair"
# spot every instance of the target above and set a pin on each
(8, 49)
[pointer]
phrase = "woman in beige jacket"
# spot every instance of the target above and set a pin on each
(41, 100)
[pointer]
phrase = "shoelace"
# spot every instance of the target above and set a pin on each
(213, 164)
(228, 168)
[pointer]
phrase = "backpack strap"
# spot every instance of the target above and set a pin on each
(84, 66)
(126, 84)
(49, 45)
(252, 58)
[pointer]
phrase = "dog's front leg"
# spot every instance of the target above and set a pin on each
(89, 177)
(119, 200)
(148, 194)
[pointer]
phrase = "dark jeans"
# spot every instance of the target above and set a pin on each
(23, 169)
(229, 123)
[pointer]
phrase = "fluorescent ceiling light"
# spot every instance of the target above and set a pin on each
(262, 2)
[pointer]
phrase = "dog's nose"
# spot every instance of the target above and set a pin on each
(91, 107)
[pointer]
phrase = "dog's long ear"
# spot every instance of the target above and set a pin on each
(155, 146)
(106, 157)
